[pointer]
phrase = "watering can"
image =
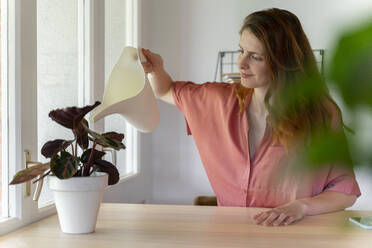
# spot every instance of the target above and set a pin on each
(129, 93)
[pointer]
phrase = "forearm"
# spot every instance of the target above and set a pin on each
(160, 82)
(328, 201)
(159, 79)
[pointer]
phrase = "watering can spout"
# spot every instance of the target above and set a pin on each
(129, 94)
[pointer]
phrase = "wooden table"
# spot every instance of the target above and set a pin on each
(132, 225)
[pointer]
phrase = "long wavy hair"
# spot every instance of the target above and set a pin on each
(301, 98)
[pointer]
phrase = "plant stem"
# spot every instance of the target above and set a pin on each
(75, 149)
(42, 177)
(72, 149)
(91, 172)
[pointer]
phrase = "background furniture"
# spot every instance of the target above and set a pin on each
(205, 201)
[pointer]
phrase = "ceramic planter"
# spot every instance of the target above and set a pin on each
(78, 200)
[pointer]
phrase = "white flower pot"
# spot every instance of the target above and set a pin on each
(78, 200)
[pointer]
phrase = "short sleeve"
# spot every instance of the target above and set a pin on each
(342, 179)
(195, 101)
(182, 92)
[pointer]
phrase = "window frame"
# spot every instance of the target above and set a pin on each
(21, 64)
(4, 104)
(133, 136)
(94, 70)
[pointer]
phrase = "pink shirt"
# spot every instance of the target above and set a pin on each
(221, 136)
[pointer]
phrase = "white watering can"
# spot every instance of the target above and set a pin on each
(129, 94)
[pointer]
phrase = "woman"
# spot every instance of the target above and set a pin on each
(247, 133)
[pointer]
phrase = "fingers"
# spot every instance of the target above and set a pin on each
(259, 218)
(273, 218)
(290, 220)
(145, 52)
(147, 67)
(269, 220)
(154, 61)
(148, 54)
(258, 215)
(266, 218)
(285, 214)
(280, 219)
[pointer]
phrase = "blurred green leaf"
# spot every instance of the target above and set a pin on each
(327, 147)
(351, 66)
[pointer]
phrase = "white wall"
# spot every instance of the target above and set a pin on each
(137, 189)
(188, 34)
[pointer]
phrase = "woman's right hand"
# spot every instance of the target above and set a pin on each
(159, 79)
(154, 61)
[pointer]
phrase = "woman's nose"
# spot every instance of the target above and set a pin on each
(243, 63)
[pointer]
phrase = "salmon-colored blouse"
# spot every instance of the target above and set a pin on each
(221, 136)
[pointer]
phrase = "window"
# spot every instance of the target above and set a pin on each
(115, 41)
(2, 188)
(57, 71)
(53, 56)
(121, 31)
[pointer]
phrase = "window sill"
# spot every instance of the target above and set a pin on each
(127, 177)
(11, 224)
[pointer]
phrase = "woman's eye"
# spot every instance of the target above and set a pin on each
(241, 51)
(255, 57)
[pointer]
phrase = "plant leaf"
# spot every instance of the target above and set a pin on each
(70, 117)
(29, 173)
(64, 166)
(109, 168)
(97, 155)
(81, 134)
(350, 67)
(115, 136)
(113, 140)
(328, 147)
(54, 146)
(110, 139)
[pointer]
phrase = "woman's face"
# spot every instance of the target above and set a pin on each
(251, 62)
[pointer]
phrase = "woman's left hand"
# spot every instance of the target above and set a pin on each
(285, 214)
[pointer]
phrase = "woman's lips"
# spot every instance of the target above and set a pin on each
(246, 75)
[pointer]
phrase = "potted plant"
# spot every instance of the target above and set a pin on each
(77, 180)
